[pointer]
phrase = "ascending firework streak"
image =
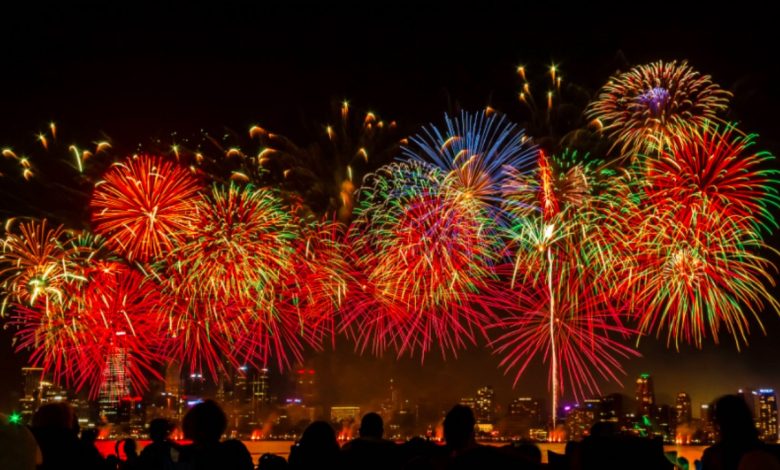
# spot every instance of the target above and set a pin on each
(570, 322)
(647, 105)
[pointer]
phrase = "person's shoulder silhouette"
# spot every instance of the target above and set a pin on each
(205, 424)
(738, 435)
(317, 448)
(370, 449)
(459, 428)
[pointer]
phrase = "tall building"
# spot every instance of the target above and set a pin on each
(115, 385)
(471, 402)
(484, 412)
(305, 385)
(391, 402)
(611, 409)
(682, 412)
(645, 395)
(260, 388)
(766, 415)
(195, 385)
(524, 414)
(707, 423)
(31, 392)
(580, 419)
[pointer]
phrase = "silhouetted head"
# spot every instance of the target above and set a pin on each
(734, 420)
(89, 435)
(55, 416)
(459, 427)
(204, 423)
(126, 446)
(372, 426)
(603, 429)
(271, 462)
(529, 452)
(319, 435)
(159, 429)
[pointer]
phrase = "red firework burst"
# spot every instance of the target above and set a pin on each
(426, 254)
(114, 313)
(712, 170)
(142, 205)
(586, 340)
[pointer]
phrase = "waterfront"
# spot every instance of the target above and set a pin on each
(282, 448)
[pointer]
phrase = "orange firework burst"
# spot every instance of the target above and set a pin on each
(141, 206)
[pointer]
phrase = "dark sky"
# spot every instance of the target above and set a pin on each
(132, 73)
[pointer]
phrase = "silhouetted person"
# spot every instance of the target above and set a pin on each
(459, 429)
(161, 453)
(130, 450)
(526, 452)
(462, 448)
(204, 424)
(18, 449)
(55, 428)
(606, 449)
(370, 450)
(317, 448)
(271, 462)
(738, 435)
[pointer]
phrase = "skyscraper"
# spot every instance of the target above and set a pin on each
(707, 423)
(682, 412)
(260, 390)
(645, 395)
(484, 411)
(611, 409)
(31, 392)
(766, 415)
(305, 385)
(116, 384)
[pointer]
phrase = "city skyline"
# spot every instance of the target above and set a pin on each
(255, 410)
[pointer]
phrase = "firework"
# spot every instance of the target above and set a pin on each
(586, 345)
(684, 271)
(322, 277)
(564, 316)
(712, 169)
(228, 275)
(643, 107)
(474, 152)
(119, 315)
(327, 171)
(141, 206)
(235, 246)
(115, 309)
(35, 263)
(426, 253)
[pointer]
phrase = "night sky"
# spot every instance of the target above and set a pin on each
(133, 74)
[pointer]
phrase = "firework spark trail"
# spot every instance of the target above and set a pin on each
(686, 277)
(711, 169)
(642, 108)
(551, 219)
(142, 205)
(474, 151)
(426, 253)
